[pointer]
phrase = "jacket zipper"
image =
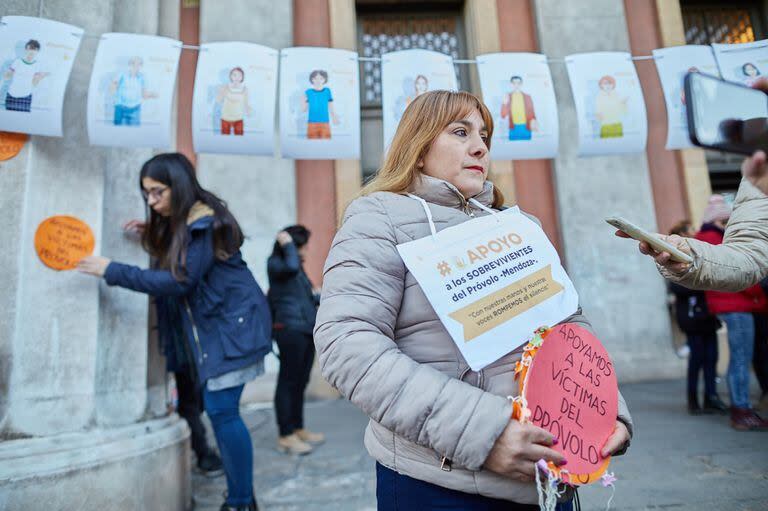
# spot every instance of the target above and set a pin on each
(467, 209)
(194, 332)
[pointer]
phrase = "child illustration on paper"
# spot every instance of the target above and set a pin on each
(750, 74)
(233, 98)
(129, 91)
(318, 103)
(23, 74)
(610, 108)
(420, 86)
(517, 106)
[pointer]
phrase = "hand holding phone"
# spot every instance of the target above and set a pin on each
(653, 240)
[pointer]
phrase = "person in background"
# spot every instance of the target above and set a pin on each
(760, 357)
(700, 328)
(179, 362)
(196, 242)
(294, 308)
(736, 311)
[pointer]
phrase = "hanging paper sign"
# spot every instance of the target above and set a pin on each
(673, 64)
(609, 103)
(491, 281)
(61, 241)
(36, 57)
(742, 63)
(130, 96)
(319, 104)
(517, 88)
(568, 386)
(407, 74)
(234, 100)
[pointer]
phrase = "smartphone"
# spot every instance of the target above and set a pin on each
(726, 116)
(641, 234)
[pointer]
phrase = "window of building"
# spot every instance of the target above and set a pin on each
(708, 22)
(392, 26)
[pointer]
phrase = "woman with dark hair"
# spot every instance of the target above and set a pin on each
(196, 243)
(294, 307)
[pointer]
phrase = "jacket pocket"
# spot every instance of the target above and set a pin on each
(209, 302)
(243, 333)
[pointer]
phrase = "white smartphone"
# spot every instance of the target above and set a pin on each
(642, 235)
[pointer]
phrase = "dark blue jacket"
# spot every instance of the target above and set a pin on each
(293, 304)
(225, 314)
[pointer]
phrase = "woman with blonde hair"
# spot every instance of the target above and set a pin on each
(440, 432)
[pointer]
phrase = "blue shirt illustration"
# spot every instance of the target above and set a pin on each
(318, 104)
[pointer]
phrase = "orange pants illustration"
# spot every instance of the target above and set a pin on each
(318, 130)
(229, 126)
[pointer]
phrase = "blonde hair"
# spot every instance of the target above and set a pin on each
(424, 119)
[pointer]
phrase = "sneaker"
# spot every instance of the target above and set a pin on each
(713, 404)
(310, 437)
(745, 419)
(292, 444)
(210, 464)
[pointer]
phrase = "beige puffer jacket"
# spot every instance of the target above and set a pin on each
(742, 259)
(382, 346)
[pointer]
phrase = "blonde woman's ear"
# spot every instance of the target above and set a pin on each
(420, 164)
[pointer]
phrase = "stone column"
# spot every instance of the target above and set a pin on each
(73, 370)
(620, 290)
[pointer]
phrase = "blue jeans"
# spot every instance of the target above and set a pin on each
(127, 116)
(397, 492)
(223, 408)
(741, 343)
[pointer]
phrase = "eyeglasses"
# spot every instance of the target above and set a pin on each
(155, 193)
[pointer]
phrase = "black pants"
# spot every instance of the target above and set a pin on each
(297, 352)
(190, 407)
(703, 357)
(760, 355)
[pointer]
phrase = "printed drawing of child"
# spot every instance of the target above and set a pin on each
(129, 91)
(318, 102)
(518, 107)
(24, 75)
(233, 99)
(750, 72)
(610, 108)
(420, 86)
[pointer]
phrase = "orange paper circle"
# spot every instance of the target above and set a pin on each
(61, 241)
(11, 144)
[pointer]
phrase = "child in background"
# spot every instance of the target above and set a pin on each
(700, 328)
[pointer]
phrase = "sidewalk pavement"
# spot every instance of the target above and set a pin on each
(676, 462)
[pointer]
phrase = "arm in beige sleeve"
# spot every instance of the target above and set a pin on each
(742, 259)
